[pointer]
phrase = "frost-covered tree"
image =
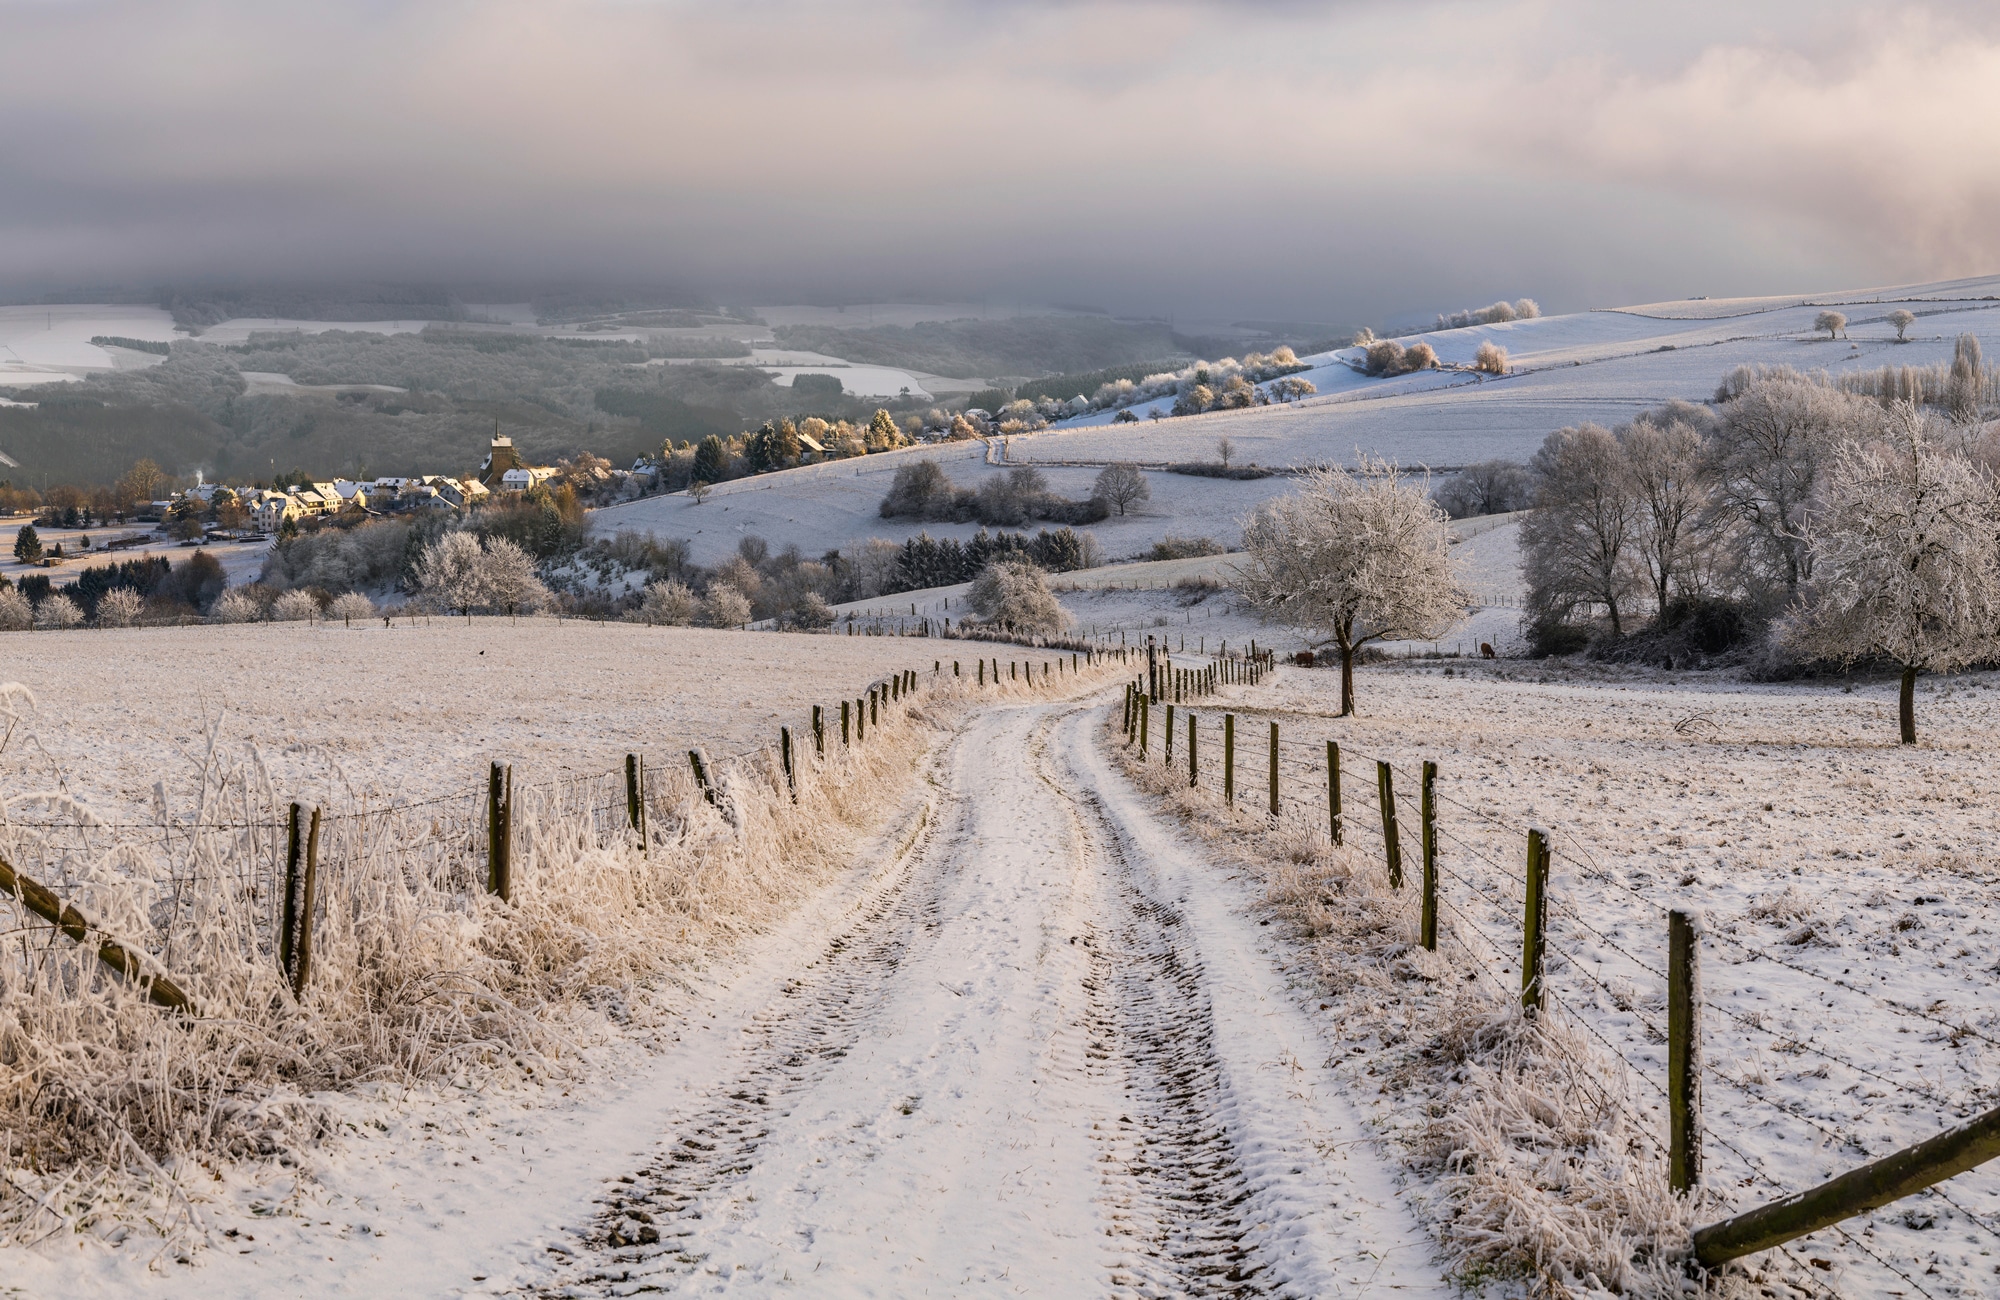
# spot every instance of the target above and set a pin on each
(510, 581)
(1581, 540)
(1965, 388)
(237, 606)
(1774, 436)
(350, 605)
(811, 612)
(119, 607)
(451, 573)
(1672, 479)
(16, 614)
(1488, 487)
(725, 606)
(1490, 358)
(1830, 321)
(1907, 567)
(58, 610)
(1352, 557)
(1015, 595)
(1902, 318)
(1122, 486)
(294, 606)
(668, 603)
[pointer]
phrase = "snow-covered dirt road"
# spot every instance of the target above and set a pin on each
(1050, 1053)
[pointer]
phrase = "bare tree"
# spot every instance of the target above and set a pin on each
(1582, 539)
(1122, 485)
(1672, 479)
(1904, 530)
(1902, 318)
(1352, 557)
(1489, 487)
(1224, 449)
(1830, 321)
(1774, 437)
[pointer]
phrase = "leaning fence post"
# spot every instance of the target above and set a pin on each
(1333, 790)
(1126, 725)
(1392, 844)
(1534, 924)
(499, 816)
(1428, 925)
(1229, 757)
(1274, 769)
(700, 766)
(785, 755)
(1683, 1052)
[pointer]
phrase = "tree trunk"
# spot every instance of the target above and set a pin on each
(1617, 627)
(1346, 680)
(1906, 705)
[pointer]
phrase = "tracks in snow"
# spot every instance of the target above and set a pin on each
(1006, 1072)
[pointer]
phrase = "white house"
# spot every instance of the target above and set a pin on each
(525, 478)
(272, 510)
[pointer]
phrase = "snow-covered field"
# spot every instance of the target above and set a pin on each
(410, 711)
(1847, 884)
(40, 345)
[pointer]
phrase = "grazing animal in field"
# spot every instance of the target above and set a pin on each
(1486, 650)
(1304, 659)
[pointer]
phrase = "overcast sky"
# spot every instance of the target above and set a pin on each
(1310, 161)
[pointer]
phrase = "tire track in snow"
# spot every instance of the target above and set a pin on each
(1174, 1190)
(640, 1241)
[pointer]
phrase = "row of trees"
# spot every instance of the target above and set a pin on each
(1837, 526)
(922, 490)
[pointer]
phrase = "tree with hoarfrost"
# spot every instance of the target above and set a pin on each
(120, 607)
(449, 574)
(16, 614)
(668, 603)
(1352, 557)
(1902, 318)
(511, 584)
(1832, 322)
(58, 611)
(725, 606)
(1906, 566)
(1015, 595)
(1582, 539)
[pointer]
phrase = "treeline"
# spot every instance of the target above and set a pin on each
(1025, 345)
(1695, 526)
(157, 348)
(922, 490)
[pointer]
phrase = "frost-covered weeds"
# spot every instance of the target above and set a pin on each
(1542, 1165)
(111, 1109)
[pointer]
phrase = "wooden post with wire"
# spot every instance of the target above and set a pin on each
(785, 757)
(1683, 1052)
(844, 724)
(126, 962)
(1274, 768)
(1392, 844)
(699, 763)
(1333, 790)
(1229, 758)
(819, 731)
(1428, 921)
(1194, 765)
(499, 828)
(1534, 925)
(633, 795)
(1145, 713)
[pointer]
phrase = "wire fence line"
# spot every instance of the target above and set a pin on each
(1480, 910)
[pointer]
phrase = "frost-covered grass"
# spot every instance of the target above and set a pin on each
(1847, 886)
(116, 1115)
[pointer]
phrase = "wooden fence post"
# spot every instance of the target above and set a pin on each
(785, 756)
(1194, 765)
(1144, 714)
(37, 898)
(1428, 923)
(288, 921)
(1333, 791)
(1274, 769)
(302, 950)
(1534, 925)
(1167, 754)
(843, 724)
(1392, 844)
(872, 717)
(982, 672)
(819, 732)
(499, 823)
(632, 792)
(1683, 1052)
(860, 720)
(699, 763)
(1229, 757)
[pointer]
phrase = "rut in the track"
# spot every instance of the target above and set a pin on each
(1173, 1187)
(639, 1241)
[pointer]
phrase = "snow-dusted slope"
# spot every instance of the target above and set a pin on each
(1604, 366)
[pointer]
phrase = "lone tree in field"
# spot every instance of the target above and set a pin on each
(1122, 485)
(1352, 557)
(1224, 449)
(28, 545)
(1832, 322)
(1013, 594)
(1902, 319)
(1490, 358)
(1906, 567)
